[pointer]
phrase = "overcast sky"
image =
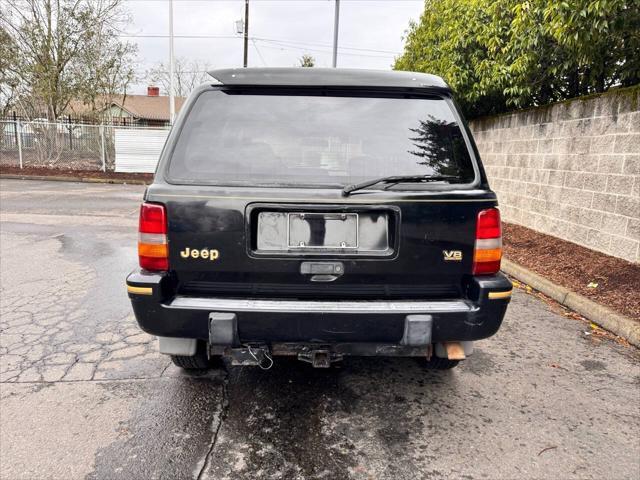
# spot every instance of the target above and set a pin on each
(370, 31)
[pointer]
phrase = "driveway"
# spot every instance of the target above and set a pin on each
(85, 395)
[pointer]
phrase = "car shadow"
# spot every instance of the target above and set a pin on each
(294, 420)
(363, 417)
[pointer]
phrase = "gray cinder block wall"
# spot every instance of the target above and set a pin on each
(570, 169)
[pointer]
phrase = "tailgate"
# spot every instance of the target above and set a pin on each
(330, 249)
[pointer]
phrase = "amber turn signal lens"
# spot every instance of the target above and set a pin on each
(152, 250)
(492, 255)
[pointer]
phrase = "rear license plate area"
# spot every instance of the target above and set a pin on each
(278, 230)
(327, 231)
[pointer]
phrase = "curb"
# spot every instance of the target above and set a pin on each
(621, 325)
(74, 179)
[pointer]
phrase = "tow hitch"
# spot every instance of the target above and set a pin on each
(252, 355)
(260, 355)
(319, 358)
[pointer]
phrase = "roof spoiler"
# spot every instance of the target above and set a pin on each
(327, 77)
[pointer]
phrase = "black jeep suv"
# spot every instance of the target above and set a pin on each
(319, 213)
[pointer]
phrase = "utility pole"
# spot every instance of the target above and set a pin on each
(172, 100)
(246, 33)
(335, 33)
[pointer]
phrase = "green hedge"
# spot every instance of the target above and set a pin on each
(505, 54)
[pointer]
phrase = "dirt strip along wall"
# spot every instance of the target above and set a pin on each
(570, 169)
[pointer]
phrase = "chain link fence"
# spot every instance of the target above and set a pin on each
(59, 145)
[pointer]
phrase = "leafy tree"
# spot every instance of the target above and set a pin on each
(188, 75)
(7, 84)
(64, 50)
(502, 54)
(307, 61)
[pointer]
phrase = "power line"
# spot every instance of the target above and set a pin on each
(305, 49)
(258, 50)
(154, 70)
(317, 1)
(341, 47)
(261, 39)
(153, 35)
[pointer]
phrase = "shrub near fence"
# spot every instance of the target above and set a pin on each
(570, 169)
(56, 145)
(78, 146)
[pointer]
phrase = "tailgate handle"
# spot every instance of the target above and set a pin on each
(322, 271)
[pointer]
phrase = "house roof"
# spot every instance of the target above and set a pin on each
(329, 77)
(140, 106)
(146, 107)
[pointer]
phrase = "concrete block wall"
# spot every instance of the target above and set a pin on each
(570, 169)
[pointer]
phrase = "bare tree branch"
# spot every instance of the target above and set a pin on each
(188, 75)
(68, 50)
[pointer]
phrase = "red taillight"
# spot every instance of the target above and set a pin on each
(153, 251)
(488, 248)
(488, 224)
(153, 218)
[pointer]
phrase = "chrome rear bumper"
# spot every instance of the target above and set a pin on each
(319, 306)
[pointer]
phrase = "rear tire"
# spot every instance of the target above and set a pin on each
(438, 363)
(199, 361)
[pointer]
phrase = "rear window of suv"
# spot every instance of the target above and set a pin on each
(317, 140)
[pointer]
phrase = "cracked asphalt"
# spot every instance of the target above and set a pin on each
(83, 393)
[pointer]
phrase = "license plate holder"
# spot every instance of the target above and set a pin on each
(325, 231)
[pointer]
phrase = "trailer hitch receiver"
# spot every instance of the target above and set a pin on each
(319, 358)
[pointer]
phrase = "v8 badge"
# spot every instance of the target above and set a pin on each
(452, 255)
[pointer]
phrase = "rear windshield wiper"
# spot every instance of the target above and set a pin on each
(396, 179)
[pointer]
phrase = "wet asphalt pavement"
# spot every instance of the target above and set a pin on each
(85, 395)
